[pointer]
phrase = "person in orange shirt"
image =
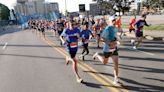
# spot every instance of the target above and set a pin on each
(132, 22)
(118, 25)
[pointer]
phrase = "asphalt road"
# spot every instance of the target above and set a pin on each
(30, 63)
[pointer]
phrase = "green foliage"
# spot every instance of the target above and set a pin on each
(120, 5)
(153, 4)
(159, 27)
(4, 12)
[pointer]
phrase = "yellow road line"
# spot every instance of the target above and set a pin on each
(100, 78)
(109, 86)
(104, 77)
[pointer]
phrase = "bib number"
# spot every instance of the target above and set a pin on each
(73, 45)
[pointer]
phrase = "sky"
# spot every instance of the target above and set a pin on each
(72, 5)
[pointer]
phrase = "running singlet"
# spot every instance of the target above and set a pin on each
(97, 28)
(85, 36)
(110, 34)
(60, 26)
(71, 39)
(118, 23)
(132, 22)
(140, 24)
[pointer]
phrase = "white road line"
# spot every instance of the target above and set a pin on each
(146, 53)
(140, 51)
(4, 46)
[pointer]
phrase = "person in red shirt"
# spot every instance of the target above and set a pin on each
(118, 25)
(132, 22)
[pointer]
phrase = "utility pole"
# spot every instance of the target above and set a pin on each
(0, 13)
(66, 12)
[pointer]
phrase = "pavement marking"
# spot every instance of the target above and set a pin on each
(146, 53)
(104, 77)
(4, 47)
(101, 78)
(109, 86)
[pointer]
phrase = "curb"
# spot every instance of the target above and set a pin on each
(148, 37)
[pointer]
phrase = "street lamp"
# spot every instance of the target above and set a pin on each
(66, 12)
(0, 12)
(65, 4)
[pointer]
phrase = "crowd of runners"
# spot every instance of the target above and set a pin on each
(104, 30)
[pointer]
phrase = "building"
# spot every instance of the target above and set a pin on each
(23, 1)
(133, 6)
(39, 7)
(35, 7)
(31, 8)
(94, 9)
(136, 6)
(54, 7)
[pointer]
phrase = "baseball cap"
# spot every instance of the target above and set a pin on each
(111, 18)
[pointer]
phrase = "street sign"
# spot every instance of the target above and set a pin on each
(81, 7)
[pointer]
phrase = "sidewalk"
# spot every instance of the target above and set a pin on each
(9, 29)
(150, 35)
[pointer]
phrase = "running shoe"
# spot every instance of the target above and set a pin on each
(79, 80)
(134, 47)
(94, 56)
(117, 82)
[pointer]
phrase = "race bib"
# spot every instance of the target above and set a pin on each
(73, 45)
(112, 46)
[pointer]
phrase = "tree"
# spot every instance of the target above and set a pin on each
(116, 5)
(4, 12)
(153, 4)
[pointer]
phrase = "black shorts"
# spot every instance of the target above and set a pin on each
(98, 35)
(85, 45)
(72, 54)
(43, 30)
(139, 34)
(132, 30)
(108, 54)
(60, 32)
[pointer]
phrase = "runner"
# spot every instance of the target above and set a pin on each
(139, 31)
(132, 22)
(71, 36)
(109, 36)
(60, 27)
(85, 35)
(118, 25)
(97, 30)
(43, 27)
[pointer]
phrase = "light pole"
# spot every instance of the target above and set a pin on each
(66, 12)
(65, 5)
(0, 12)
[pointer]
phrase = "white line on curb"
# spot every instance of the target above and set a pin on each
(4, 46)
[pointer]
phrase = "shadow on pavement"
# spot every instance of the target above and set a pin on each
(146, 45)
(134, 85)
(140, 69)
(144, 58)
(154, 79)
(94, 85)
(31, 56)
(16, 45)
(152, 50)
